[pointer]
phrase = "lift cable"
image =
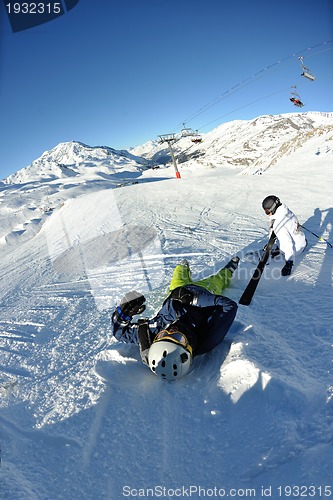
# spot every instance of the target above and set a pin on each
(249, 80)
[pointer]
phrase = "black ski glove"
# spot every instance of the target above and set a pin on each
(131, 304)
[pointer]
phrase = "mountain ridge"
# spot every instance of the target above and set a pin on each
(74, 159)
(248, 143)
(241, 144)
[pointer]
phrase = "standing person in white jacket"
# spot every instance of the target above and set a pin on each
(288, 231)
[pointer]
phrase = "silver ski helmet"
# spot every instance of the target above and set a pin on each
(170, 355)
(270, 204)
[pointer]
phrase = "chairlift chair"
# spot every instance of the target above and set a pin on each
(296, 102)
(186, 132)
(306, 72)
(308, 75)
(295, 98)
(196, 137)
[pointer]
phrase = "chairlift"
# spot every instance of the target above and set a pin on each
(186, 132)
(196, 137)
(295, 98)
(306, 72)
(296, 102)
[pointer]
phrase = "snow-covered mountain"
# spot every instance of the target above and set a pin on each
(252, 146)
(78, 162)
(81, 417)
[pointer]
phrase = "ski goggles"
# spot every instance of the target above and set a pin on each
(268, 211)
(175, 336)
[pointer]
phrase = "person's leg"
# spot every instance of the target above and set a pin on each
(181, 276)
(217, 282)
(300, 242)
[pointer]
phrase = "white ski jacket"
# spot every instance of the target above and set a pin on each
(288, 232)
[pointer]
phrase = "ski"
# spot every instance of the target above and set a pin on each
(248, 293)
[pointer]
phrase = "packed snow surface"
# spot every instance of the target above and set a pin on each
(81, 417)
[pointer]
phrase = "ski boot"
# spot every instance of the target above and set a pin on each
(232, 264)
(286, 270)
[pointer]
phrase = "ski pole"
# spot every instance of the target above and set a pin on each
(320, 238)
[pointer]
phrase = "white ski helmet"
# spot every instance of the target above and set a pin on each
(170, 358)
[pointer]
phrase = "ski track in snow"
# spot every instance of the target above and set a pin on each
(81, 417)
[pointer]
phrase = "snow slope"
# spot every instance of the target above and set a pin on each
(81, 417)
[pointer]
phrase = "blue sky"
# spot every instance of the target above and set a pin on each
(119, 73)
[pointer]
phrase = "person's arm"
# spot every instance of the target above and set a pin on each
(145, 339)
(123, 328)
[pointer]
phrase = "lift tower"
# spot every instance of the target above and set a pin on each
(170, 139)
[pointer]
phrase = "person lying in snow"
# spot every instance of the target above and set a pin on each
(193, 319)
(288, 231)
